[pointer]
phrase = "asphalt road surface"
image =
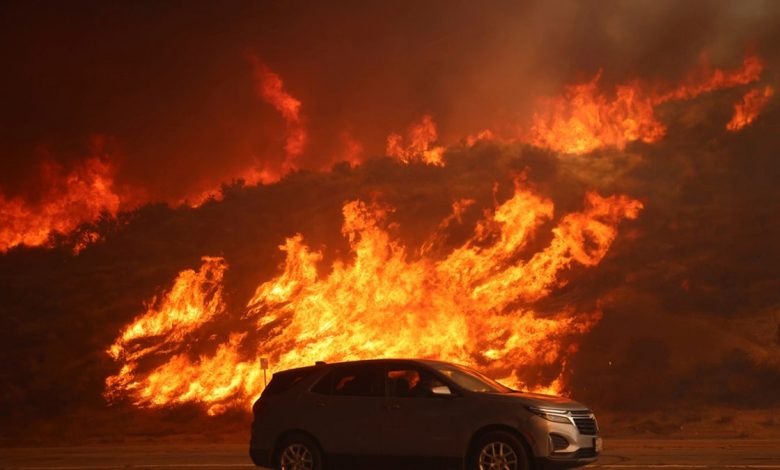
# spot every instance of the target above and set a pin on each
(626, 454)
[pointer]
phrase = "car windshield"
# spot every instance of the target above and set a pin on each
(469, 379)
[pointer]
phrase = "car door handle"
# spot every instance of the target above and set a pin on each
(320, 404)
(394, 406)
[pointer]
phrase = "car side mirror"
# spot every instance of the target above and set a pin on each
(441, 391)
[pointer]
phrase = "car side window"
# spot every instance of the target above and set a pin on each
(356, 381)
(410, 382)
(323, 386)
(282, 382)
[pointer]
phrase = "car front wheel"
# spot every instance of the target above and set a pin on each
(298, 452)
(498, 451)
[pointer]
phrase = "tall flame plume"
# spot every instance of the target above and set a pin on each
(473, 306)
(271, 89)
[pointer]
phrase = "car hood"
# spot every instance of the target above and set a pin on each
(537, 399)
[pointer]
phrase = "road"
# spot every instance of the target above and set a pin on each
(690, 453)
(626, 454)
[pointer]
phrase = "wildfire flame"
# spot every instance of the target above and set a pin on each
(196, 297)
(749, 107)
(352, 152)
(485, 134)
(473, 306)
(584, 119)
(69, 199)
(271, 89)
(421, 138)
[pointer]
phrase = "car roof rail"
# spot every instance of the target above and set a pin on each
(320, 363)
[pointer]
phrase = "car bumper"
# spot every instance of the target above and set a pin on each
(561, 445)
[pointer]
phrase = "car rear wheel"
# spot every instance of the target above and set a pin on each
(498, 451)
(298, 452)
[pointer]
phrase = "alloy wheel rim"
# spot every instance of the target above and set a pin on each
(498, 456)
(297, 457)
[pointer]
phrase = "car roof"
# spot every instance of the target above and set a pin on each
(363, 361)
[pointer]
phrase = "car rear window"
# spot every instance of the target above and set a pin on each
(284, 381)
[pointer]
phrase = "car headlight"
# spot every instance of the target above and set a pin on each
(551, 414)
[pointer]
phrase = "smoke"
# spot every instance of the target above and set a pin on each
(176, 90)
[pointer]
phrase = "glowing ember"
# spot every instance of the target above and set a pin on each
(584, 118)
(68, 200)
(473, 306)
(421, 138)
(749, 107)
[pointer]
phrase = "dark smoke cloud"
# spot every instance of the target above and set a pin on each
(171, 81)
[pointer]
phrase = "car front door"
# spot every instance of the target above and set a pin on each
(348, 409)
(420, 423)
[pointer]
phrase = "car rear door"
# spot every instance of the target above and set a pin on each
(348, 409)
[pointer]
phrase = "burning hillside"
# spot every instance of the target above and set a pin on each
(582, 119)
(473, 306)
(69, 199)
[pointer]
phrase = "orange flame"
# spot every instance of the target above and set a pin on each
(584, 119)
(421, 138)
(473, 306)
(703, 79)
(352, 150)
(68, 201)
(196, 297)
(485, 134)
(271, 89)
(749, 107)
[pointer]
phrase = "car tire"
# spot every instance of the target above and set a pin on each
(500, 448)
(298, 452)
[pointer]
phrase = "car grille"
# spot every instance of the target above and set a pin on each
(586, 423)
